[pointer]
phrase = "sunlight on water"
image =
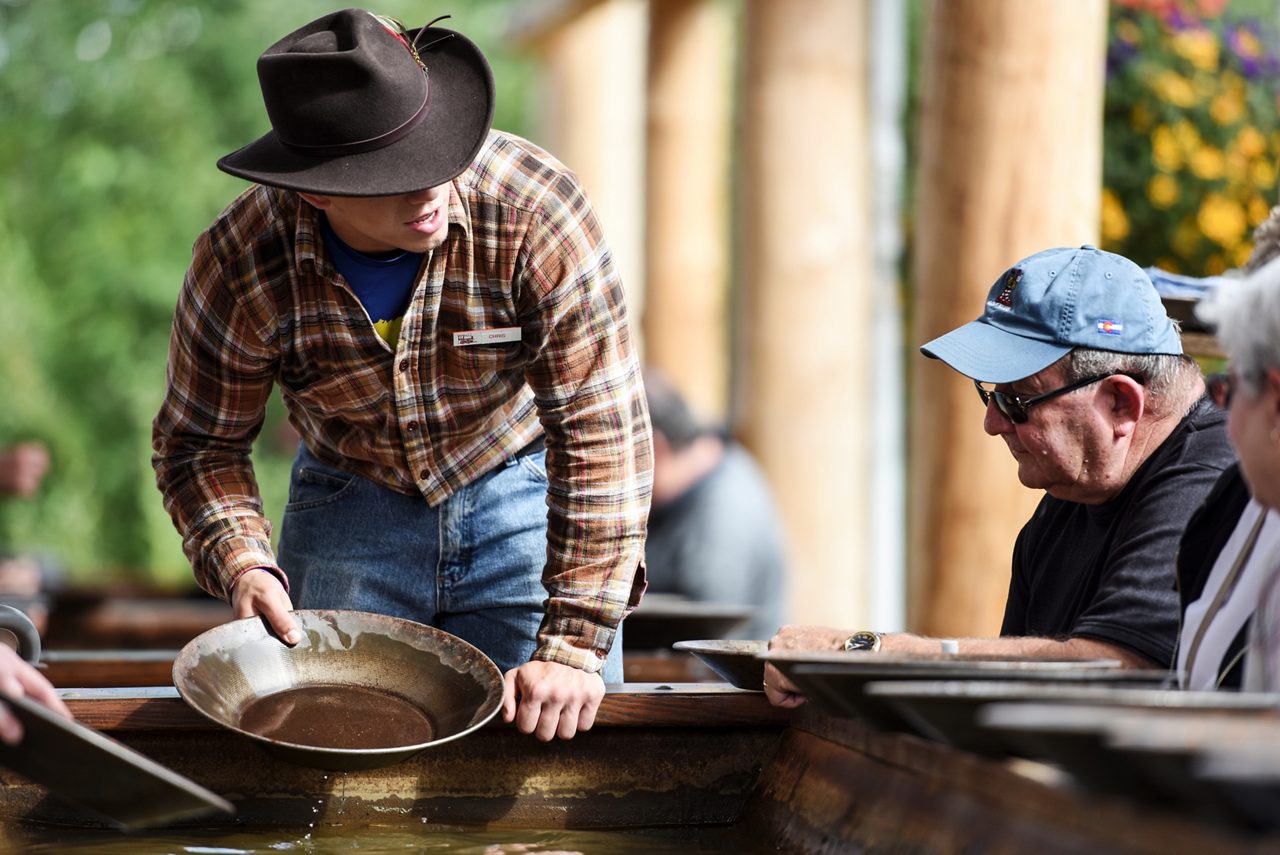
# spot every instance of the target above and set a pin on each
(374, 840)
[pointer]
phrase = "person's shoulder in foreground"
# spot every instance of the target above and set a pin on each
(1088, 387)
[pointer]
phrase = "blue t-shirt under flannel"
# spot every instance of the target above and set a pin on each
(384, 285)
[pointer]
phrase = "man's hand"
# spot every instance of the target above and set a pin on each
(809, 638)
(259, 592)
(22, 468)
(19, 679)
(780, 691)
(548, 699)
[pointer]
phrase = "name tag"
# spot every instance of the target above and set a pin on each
(499, 335)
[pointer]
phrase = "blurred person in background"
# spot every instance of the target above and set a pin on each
(25, 579)
(22, 469)
(1102, 411)
(714, 533)
(440, 309)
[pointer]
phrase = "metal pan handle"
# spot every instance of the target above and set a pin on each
(23, 630)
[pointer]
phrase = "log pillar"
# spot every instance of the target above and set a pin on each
(686, 322)
(592, 117)
(807, 267)
(1010, 162)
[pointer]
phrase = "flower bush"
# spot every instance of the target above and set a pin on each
(1191, 132)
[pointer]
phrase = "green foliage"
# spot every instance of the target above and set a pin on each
(114, 112)
(1192, 132)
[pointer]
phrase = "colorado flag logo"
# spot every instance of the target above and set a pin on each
(1107, 327)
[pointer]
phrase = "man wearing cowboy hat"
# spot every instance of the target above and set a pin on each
(441, 312)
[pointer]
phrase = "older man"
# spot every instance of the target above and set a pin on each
(1102, 411)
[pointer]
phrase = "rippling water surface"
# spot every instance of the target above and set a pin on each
(373, 839)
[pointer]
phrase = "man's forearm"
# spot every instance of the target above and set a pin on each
(1023, 647)
(832, 638)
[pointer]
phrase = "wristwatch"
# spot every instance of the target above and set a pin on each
(863, 639)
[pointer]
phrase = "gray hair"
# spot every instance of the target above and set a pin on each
(1266, 242)
(1246, 317)
(1168, 378)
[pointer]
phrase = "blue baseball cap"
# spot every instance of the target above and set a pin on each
(1047, 305)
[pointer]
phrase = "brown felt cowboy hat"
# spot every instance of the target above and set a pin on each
(360, 107)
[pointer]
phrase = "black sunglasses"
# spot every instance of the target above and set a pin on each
(1014, 407)
(1219, 387)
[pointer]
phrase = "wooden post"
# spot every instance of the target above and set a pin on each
(687, 218)
(1010, 163)
(592, 114)
(807, 267)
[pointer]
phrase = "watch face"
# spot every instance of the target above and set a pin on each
(862, 641)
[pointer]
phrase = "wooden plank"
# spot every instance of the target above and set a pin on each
(835, 786)
(660, 754)
(628, 706)
(98, 669)
(132, 622)
(92, 669)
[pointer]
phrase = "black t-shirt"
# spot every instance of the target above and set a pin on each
(1106, 572)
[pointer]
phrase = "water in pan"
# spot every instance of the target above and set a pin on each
(349, 717)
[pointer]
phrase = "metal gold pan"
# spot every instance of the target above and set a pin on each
(447, 686)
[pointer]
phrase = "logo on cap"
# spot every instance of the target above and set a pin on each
(1107, 327)
(1011, 280)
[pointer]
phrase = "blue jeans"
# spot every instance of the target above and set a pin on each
(471, 566)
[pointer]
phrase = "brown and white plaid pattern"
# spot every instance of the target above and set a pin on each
(262, 304)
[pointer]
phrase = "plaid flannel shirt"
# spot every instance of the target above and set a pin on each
(262, 304)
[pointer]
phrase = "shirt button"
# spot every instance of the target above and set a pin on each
(412, 427)
(424, 474)
(404, 365)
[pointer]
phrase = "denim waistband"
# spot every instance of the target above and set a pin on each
(534, 447)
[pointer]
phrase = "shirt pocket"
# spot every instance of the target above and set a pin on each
(481, 367)
(354, 397)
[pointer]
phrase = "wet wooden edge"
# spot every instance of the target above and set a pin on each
(627, 705)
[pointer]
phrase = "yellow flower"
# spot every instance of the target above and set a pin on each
(1115, 222)
(1237, 167)
(1141, 118)
(1168, 263)
(1199, 47)
(1165, 150)
(1207, 163)
(1187, 135)
(1262, 173)
(1258, 210)
(1173, 87)
(1185, 240)
(1162, 191)
(1204, 85)
(1128, 32)
(1227, 107)
(1222, 220)
(1250, 142)
(1247, 43)
(1215, 265)
(1241, 254)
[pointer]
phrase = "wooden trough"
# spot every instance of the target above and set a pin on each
(691, 755)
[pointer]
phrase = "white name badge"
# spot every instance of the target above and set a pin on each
(499, 335)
